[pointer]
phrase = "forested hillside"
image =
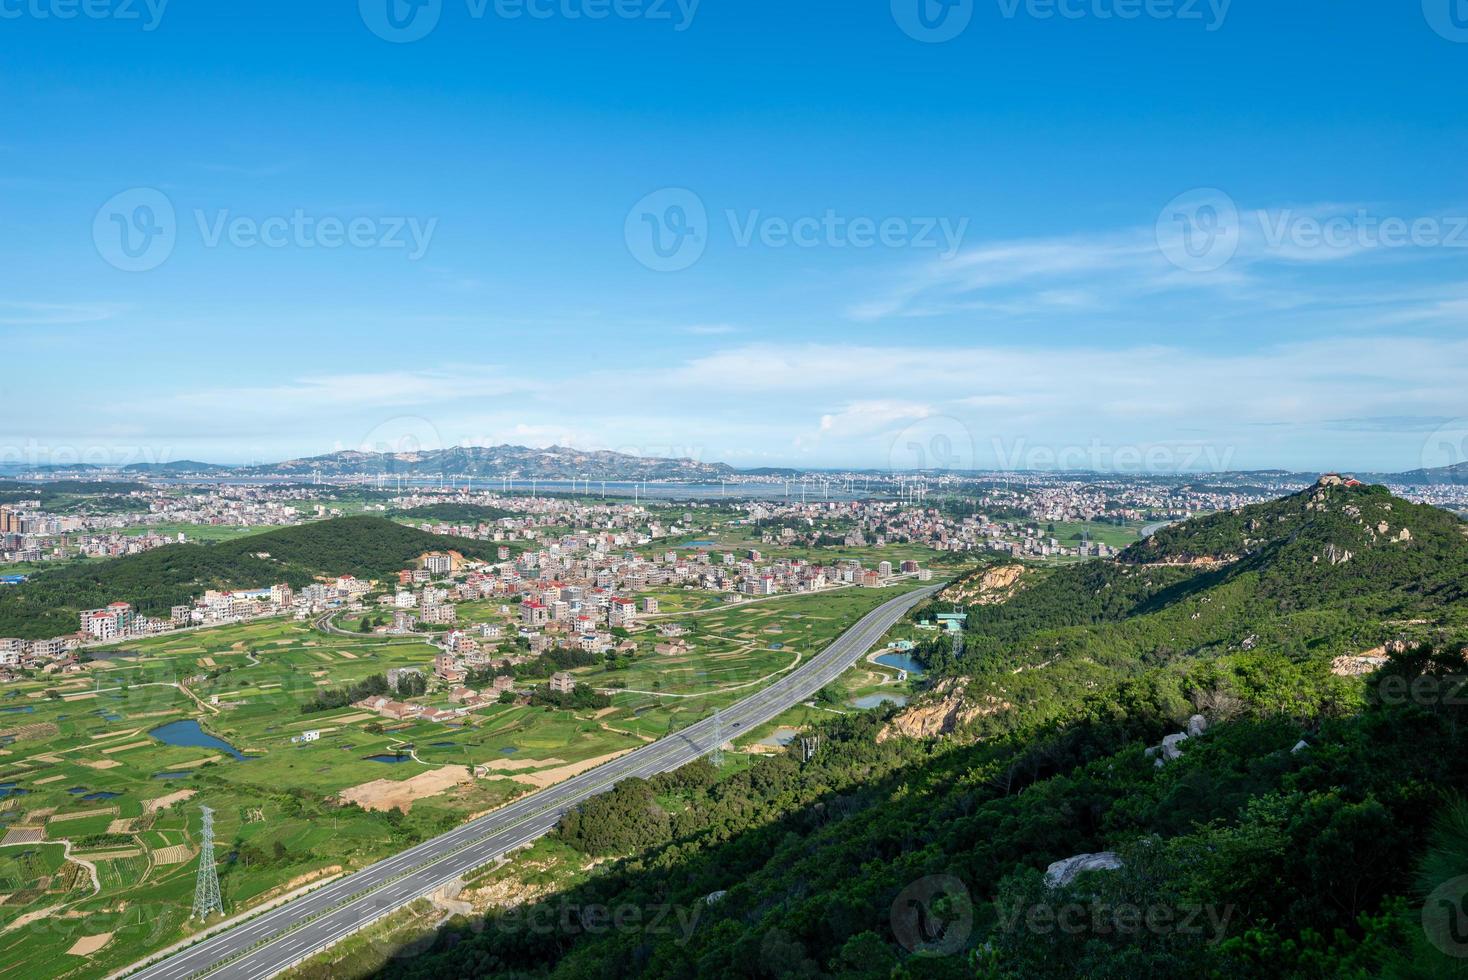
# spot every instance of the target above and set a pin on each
(1311, 826)
(367, 547)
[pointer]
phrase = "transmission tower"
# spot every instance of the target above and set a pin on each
(206, 889)
(718, 754)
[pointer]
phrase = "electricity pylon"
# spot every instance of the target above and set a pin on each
(206, 889)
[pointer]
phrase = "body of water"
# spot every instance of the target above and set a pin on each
(781, 736)
(878, 700)
(10, 789)
(697, 544)
(102, 795)
(188, 733)
(815, 489)
(901, 661)
(24, 709)
(172, 775)
(390, 759)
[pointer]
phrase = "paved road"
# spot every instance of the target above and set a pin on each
(276, 940)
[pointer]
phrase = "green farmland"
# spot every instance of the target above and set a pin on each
(79, 769)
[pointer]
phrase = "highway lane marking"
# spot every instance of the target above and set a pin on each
(668, 753)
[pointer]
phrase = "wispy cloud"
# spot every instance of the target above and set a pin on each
(14, 313)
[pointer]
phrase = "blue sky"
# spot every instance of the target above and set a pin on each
(1207, 235)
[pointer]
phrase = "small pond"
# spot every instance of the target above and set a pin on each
(188, 733)
(901, 661)
(878, 700)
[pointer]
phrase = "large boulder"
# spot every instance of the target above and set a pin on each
(1062, 873)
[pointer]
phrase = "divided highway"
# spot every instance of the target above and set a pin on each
(276, 940)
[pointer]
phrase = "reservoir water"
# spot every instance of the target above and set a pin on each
(901, 661)
(878, 700)
(188, 733)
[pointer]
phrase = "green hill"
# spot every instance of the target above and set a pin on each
(1246, 855)
(450, 513)
(367, 547)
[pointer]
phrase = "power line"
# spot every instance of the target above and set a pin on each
(206, 889)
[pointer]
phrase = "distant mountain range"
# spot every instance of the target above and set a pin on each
(496, 462)
(564, 463)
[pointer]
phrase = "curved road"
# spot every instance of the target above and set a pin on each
(278, 939)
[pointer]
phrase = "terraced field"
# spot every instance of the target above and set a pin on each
(81, 768)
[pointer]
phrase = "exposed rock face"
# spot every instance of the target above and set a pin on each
(1356, 666)
(1062, 873)
(942, 716)
(995, 585)
(1171, 747)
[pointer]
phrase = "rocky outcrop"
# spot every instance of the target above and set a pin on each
(949, 712)
(1171, 747)
(1359, 665)
(1062, 873)
(995, 585)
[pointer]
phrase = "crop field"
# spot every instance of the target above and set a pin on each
(83, 766)
(741, 540)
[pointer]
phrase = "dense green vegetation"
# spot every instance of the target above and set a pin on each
(1248, 855)
(367, 547)
(77, 496)
(455, 513)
